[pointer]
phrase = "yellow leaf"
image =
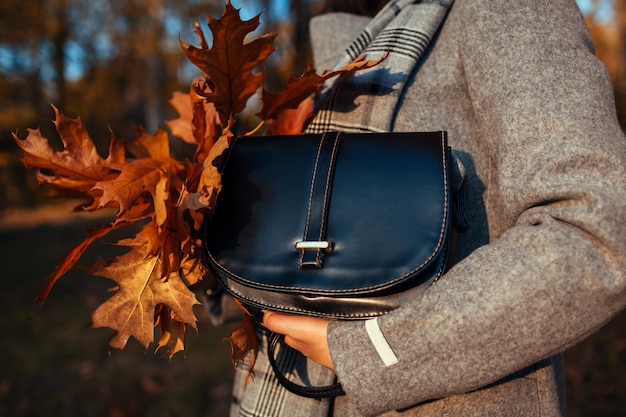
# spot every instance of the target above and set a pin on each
(131, 310)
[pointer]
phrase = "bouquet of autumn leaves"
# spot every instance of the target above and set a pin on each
(167, 196)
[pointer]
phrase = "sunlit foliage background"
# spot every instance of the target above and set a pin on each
(116, 64)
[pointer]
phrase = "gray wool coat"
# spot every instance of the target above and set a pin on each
(529, 111)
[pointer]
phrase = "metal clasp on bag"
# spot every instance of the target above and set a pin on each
(314, 245)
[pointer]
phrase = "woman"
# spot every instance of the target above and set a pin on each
(529, 111)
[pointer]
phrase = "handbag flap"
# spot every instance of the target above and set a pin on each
(386, 211)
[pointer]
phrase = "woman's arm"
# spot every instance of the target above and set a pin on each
(545, 112)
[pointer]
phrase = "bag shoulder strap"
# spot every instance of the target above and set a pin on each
(333, 390)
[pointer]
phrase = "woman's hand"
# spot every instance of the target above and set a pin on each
(304, 334)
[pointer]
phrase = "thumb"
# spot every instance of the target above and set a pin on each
(277, 323)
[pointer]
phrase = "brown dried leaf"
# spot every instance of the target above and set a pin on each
(205, 121)
(243, 340)
(173, 331)
(155, 174)
(181, 126)
(291, 121)
(73, 171)
(67, 261)
(198, 121)
(230, 62)
(149, 146)
(131, 311)
(211, 180)
(192, 270)
(136, 179)
(301, 88)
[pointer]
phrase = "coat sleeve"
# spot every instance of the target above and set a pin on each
(544, 106)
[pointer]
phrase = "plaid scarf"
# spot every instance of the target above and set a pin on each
(364, 102)
(367, 101)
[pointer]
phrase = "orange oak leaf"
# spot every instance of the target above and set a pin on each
(243, 340)
(67, 261)
(211, 180)
(360, 63)
(135, 179)
(172, 242)
(149, 146)
(229, 62)
(75, 170)
(131, 310)
(153, 173)
(173, 331)
(291, 121)
(192, 269)
(301, 88)
(147, 238)
(181, 126)
(296, 91)
(205, 120)
(198, 121)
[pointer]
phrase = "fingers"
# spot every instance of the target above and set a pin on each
(277, 323)
(285, 325)
(295, 344)
(298, 327)
(305, 334)
(289, 326)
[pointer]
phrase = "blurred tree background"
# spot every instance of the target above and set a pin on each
(606, 20)
(116, 64)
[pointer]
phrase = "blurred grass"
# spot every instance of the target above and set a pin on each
(595, 372)
(51, 365)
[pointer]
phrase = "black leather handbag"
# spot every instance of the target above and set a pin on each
(332, 225)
